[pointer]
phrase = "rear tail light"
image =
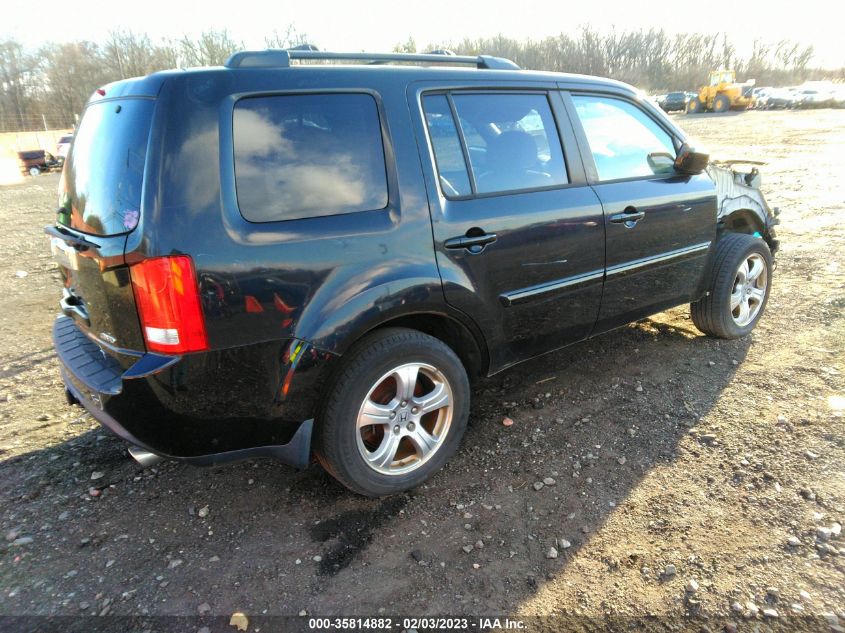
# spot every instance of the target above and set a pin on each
(167, 295)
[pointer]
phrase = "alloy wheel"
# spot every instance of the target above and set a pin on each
(749, 289)
(404, 418)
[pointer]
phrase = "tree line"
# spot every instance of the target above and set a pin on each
(49, 86)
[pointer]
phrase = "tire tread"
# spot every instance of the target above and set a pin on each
(707, 313)
(370, 348)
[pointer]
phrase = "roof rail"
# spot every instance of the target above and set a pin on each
(281, 58)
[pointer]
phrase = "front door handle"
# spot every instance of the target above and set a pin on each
(473, 242)
(629, 217)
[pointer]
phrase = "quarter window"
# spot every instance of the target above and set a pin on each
(451, 166)
(299, 156)
(624, 140)
(510, 139)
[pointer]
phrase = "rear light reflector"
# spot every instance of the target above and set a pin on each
(167, 295)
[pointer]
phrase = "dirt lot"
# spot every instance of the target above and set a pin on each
(723, 460)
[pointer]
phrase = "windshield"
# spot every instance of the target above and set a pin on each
(104, 172)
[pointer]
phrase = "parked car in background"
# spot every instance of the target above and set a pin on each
(814, 98)
(838, 97)
(674, 102)
(761, 97)
(62, 147)
(781, 99)
(36, 161)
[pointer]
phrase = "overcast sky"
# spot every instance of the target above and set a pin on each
(378, 26)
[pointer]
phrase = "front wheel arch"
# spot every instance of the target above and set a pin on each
(748, 222)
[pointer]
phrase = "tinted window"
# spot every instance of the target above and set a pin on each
(300, 156)
(105, 170)
(513, 144)
(449, 155)
(621, 138)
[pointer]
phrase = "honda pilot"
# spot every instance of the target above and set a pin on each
(296, 255)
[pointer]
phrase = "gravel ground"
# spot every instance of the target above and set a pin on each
(684, 476)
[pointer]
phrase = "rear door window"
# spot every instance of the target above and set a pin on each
(300, 156)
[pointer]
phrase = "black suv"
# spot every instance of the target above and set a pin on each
(279, 258)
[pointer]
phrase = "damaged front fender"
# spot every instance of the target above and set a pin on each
(741, 205)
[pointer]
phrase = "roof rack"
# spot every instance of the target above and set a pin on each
(281, 58)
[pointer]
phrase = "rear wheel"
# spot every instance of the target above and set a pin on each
(721, 104)
(739, 284)
(395, 414)
(34, 171)
(695, 106)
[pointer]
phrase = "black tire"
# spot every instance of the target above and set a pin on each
(695, 106)
(712, 314)
(338, 434)
(721, 104)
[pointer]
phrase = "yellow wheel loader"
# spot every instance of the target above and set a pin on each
(722, 94)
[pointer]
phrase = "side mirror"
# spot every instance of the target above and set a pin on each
(689, 161)
(661, 163)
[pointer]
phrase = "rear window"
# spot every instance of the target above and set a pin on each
(299, 156)
(104, 172)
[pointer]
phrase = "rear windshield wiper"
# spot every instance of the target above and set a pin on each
(77, 241)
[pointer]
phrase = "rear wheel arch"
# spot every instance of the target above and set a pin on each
(468, 345)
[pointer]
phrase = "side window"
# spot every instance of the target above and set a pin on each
(451, 166)
(299, 156)
(624, 140)
(512, 141)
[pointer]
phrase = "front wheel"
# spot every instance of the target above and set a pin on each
(395, 413)
(695, 106)
(721, 104)
(738, 288)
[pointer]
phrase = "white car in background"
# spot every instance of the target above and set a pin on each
(814, 98)
(62, 146)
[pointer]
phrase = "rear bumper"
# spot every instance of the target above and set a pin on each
(144, 404)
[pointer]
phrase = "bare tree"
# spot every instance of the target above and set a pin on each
(71, 72)
(287, 39)
(16, 70)
(211, 48)
(56, 81)
(129, 54)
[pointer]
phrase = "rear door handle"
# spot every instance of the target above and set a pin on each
(629, 217)
(473, 243)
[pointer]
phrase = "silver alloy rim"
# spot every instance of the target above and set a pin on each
(749, 289)
(404, 418)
